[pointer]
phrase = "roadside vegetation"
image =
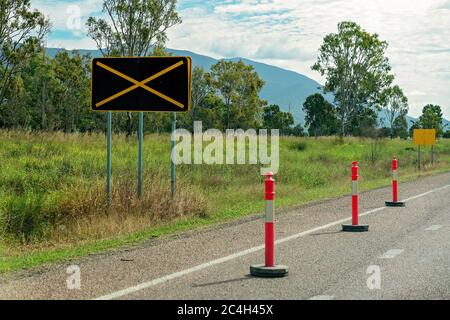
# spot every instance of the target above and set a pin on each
(52, 188)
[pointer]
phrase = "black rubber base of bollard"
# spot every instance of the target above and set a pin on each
(353, 228)
(395, 204)
(261, 270)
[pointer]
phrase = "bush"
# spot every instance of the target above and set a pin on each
(33, 216)
(299, 146)
(156, 202)
(25, 217)
(339, 140)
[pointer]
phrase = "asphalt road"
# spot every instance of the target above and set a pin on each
(405, 255)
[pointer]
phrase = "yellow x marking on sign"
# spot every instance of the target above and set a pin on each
(140, 84)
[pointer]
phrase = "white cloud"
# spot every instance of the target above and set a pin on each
(255, 7)
(417, 93)
(64, 14)
(71, 44)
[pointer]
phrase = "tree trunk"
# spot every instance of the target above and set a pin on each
(44, 89)
(373, 153)
(119, 123)
(392, 129)
(129, 124)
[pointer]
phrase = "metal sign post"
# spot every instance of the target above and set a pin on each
(172, 163)
(418, 159)
(140, 138)
(424, 137)
(432, 155)
(108, 155)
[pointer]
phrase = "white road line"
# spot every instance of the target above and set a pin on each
(182, 273)
(426, 193)
(390, 254)
(322, 298)
(332, 224)
(434, 227)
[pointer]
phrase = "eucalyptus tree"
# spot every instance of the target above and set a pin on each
(21, 33)
(394, 104)
(238, 85)
(133, 28)
(432, 118)
(356, 69)
(201, 88)
(320, 116)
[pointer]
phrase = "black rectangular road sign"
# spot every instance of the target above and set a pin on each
(141, 84)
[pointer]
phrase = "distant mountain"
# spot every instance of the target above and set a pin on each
(446, 125)
(286, 88)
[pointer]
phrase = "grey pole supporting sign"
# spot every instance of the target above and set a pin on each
(141, 84)
(424, 137)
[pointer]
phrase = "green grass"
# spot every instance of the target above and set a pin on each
(50, 182)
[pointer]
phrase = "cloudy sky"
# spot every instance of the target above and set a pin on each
(288, 33)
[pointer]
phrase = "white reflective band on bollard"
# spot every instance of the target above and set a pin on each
(395, 175)
(354, 188)
(269, 211)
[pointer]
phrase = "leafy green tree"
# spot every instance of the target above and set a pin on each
(201, 89)
(400, 127)
(239, 86)
(363, 122)
(415, 125)
(21, 32)
(158, 122)
(24, 106)
(320, 116)
(133, 28)
(39, 84)
(35, 75)
(296, 131)
(14, 112)
(66, 95)
(394, 104)
(432, 118)
(274, 118)
(356, 69)
(385, 132)
(211, 112)
(72, 96)
(446, 134)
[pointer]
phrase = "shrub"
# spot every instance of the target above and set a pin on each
(339, 140)
(38, 216)
(299, 146)
(25, 217)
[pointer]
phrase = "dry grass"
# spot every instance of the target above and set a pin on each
(85, 215)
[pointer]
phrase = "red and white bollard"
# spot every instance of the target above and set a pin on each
(269, 269)
(355, 226)
(395, 202)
